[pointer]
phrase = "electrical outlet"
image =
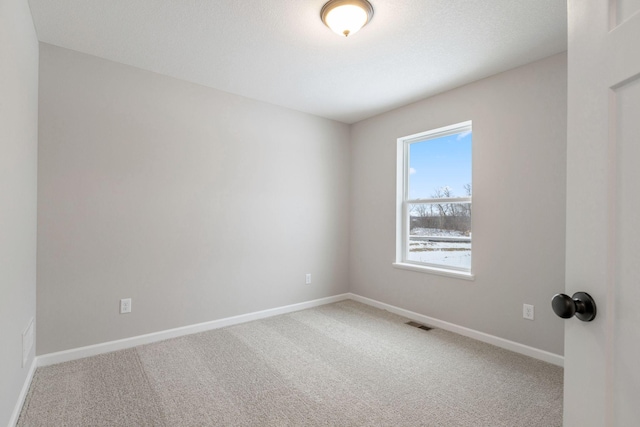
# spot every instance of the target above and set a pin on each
(27, 343)
(527, 311)
(125, 305)
(308, 279)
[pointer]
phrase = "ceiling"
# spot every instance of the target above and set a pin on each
(279, 51)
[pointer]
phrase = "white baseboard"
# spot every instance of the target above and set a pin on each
(23, 393)
(92, 350)
(107, 347)
(546, 356)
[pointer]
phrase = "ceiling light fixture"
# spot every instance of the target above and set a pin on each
(346, 17)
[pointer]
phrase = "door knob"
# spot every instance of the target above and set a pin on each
(581, 304)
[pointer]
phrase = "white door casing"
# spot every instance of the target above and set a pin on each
(602, 358)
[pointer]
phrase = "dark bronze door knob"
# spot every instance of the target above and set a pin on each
(580, 304)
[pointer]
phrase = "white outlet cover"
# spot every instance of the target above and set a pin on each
(125, 305)
(528, 311)
(308, 279)
(27, 343)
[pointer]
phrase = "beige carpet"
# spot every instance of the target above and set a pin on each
(344, 364)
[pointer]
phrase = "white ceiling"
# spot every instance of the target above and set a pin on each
(280, 52)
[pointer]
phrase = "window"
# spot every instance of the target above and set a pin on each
(434, 201)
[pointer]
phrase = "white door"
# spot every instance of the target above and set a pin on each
(602, 358)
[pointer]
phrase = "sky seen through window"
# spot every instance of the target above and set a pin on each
(439, 162)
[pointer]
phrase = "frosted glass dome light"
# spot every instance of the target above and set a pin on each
(346, 17)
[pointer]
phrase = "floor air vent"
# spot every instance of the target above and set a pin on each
(419, 326)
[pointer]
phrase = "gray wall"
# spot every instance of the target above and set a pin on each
(196, 203)
(519, 155)
(18, 169)
(201, 205)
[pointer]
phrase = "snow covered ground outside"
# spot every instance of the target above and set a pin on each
(436, 232)
(455, 254)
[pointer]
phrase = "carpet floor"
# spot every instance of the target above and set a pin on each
(343, 364)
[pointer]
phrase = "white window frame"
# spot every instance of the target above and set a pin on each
(403, 202)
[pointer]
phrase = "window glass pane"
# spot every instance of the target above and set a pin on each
(440, 233)
(440, 167)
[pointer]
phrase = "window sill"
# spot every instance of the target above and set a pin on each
(432, 270)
